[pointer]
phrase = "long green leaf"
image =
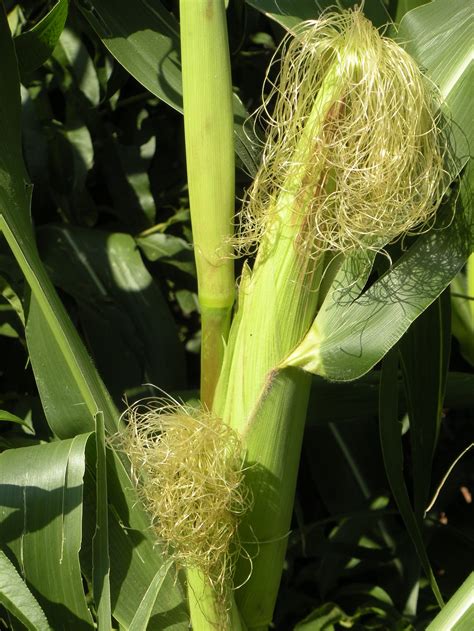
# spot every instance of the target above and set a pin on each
(142, 616)
(289, 13)
(11, 418)
(70, 389)
(34, 47)
(144, 38)
(17, 598)
(15, 196)
(41, 490)
(391, 441)
(123, 313)
(424, 354)
(347, 340)
(458, 614)
(439, 36)
(101, 558)
(135, 557)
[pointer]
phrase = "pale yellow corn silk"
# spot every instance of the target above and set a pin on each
(188, 466)
(375, 170)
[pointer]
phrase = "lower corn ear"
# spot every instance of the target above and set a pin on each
(188, 466)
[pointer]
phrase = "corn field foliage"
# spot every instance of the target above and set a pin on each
(99, 309)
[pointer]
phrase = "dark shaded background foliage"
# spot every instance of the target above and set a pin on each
(106, 157)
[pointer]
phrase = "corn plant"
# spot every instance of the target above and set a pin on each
(177, 506)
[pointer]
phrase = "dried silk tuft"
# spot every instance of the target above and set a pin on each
(188, 467)
(373, 171)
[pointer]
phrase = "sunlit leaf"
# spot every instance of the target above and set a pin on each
(41, 523)
(18, 599)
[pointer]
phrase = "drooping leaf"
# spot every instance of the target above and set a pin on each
(41, 523)
(12, 418)
(18, 599)
(35, 46)
(347, 340)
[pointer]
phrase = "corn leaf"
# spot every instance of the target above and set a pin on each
(404, 6)
(135, 559)
(391, 441)
(144, 38)
(424, 357)
(11, 418)
(101, 558)
(439, 36)
(17, 598)
(15, 196)
(70, 388)
(458, 614)
(41, 523)
(124, 315)
(347, 340)
(289, 13)
(142, 616)
(35, 46)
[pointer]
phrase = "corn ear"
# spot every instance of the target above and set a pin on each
(278, 301)
(353, 161)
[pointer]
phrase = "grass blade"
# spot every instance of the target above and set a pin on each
(458, 614)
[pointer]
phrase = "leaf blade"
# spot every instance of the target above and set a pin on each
(17, 598)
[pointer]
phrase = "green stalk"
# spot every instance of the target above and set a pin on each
(277, 304)
(208, 124)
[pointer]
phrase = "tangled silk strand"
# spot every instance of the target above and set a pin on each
(375, 170)
(188, 467)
